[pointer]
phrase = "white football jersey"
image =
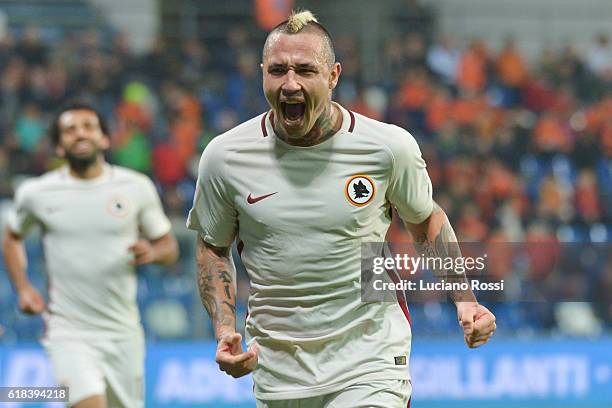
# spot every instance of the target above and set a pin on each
(87, 227)
(300, 215)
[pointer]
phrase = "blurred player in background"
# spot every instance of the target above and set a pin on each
(301, 187)
(92, 216)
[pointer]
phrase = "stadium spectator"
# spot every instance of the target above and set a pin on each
(472, 68)
(599, 57)
(511, 71)
(443, 59)
(31, 47)
(29, 128)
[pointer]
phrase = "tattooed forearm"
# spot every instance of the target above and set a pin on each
(232, 307)
(435, 238)
(226, 278)
(216, 284)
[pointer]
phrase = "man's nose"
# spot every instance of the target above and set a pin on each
(291, 85)
(81, 132)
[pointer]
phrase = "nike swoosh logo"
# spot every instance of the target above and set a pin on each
(253, 200)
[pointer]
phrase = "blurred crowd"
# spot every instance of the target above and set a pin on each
(518, 150)
(536, 137)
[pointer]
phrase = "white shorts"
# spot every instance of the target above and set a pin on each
(113, 368)
(371, 394)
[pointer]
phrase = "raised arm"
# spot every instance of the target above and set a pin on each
(435, 238)
(30, 300)
(217, 287)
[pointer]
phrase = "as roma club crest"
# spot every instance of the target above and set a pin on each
(359, 190)
(118, 206)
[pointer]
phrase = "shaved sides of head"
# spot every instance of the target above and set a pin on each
(303, 21)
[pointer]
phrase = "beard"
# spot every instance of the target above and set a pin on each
(81, 163)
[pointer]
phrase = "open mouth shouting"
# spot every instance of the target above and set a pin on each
(293, 112)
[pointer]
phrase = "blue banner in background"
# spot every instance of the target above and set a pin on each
(506, 373)
(513, 373)
(186, 375)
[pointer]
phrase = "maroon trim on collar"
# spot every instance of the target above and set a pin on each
(352, 126)
(263, 125)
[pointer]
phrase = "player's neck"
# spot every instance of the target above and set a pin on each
(325, 127)
(94, 170)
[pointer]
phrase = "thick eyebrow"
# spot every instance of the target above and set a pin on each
(306, 66)
(297, 66)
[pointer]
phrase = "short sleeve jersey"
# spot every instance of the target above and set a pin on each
(87, 227)
(300, 215)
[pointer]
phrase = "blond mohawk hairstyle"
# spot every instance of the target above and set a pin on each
(302, 20)
(299, 19)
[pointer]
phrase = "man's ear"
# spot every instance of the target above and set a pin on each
(60, 152)
(105, 143)
(334, 75)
